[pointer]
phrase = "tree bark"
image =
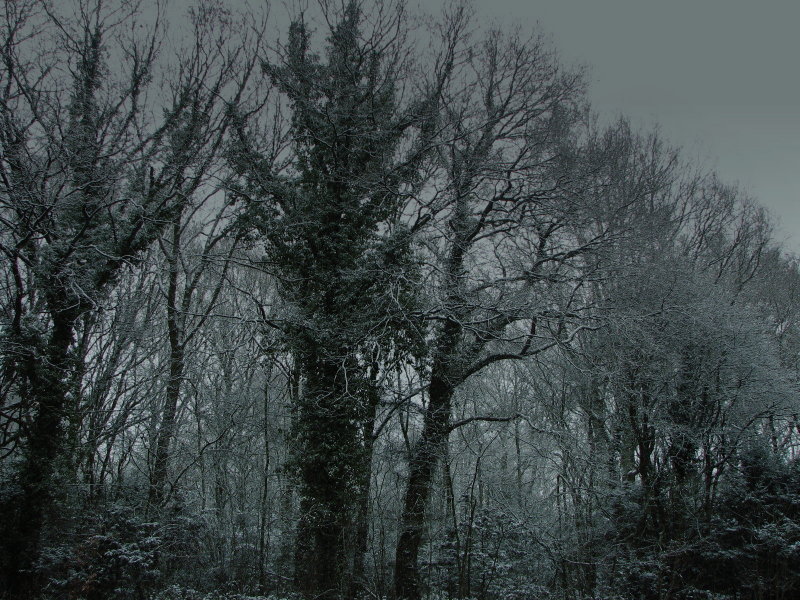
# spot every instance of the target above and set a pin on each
(361, 542)
(435, 426)
(328, 451)
(25, 511)
(166, 429)
(435, 430)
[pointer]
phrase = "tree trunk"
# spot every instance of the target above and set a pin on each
(422, 468)
(361, 542)
(166, 430)
(263, 536)
(329, 457)
(25, 511)
(435, 426)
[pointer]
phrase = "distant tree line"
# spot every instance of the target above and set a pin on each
(373, 306)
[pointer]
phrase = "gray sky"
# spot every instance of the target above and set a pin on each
(721, 77)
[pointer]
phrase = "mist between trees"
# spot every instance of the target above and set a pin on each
(370, 306)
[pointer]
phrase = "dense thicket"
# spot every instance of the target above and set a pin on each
(373, 308)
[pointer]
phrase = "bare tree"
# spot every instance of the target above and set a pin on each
(506, 264)
(94, 164)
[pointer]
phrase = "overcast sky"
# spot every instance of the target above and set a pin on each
(721, 77)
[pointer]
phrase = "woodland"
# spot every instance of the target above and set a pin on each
(369, 303)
